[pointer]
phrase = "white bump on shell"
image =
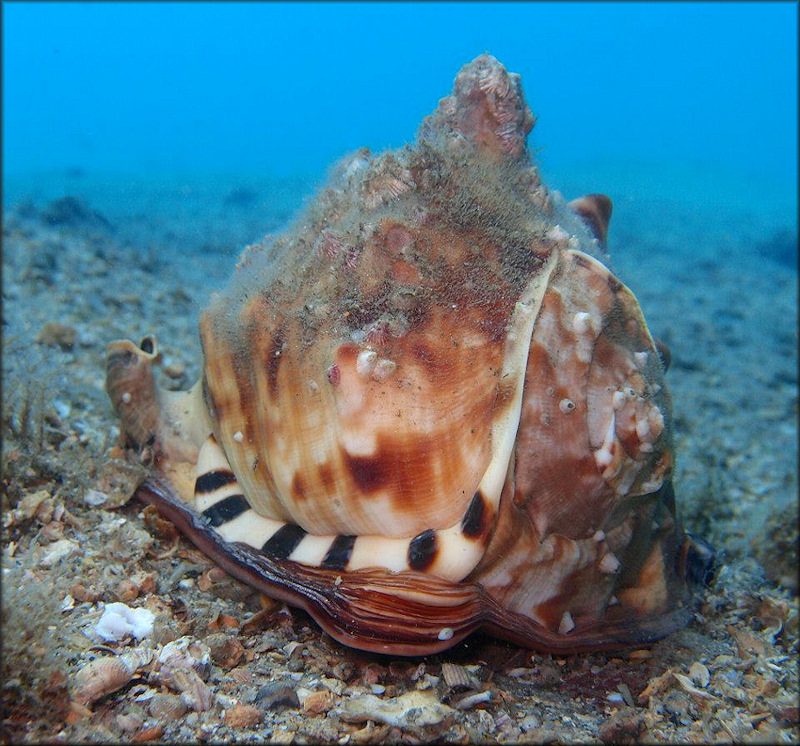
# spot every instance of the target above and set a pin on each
(603, 455)
(365, 362)
(384, 369)
(609, 564)
(566, 405)
(581, 322)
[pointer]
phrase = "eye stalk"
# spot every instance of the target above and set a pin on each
(698, 560)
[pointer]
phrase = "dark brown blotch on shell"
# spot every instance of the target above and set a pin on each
(213, 480)
(299, 491)
(614, 284)
(581, 261)
(422, 550)
(370, 473)
(283, 542)
(338, 555)
(226, 510)
(472, 524)
(327, 477)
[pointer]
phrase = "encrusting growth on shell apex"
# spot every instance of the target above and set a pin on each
(428, 406)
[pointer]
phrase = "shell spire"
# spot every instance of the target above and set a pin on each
(487, 107)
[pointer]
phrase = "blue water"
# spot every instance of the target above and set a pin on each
(286, 88)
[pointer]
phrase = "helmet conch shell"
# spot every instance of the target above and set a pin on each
(429, 406)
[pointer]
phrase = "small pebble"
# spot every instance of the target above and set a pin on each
(699, 674)
(82, 594)
(55, 334)
(58, 551)
(127, 590)
(226, 650)
(318, 702)
(625, 726)
(468, 702)
(129, 723)
(530, 722)
(243, 716)
(95, 498)
(67, 604)
(153, 733)
(167, 707)
(277, 693)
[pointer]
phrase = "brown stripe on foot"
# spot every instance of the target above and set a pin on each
(212, 481)
(339, 553)
(283, 542)
(226, 510)
(422, 550)
(473, 520)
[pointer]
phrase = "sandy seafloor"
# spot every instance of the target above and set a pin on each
(712, 260)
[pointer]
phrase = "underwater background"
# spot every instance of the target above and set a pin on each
(146, 144)
(286, 88)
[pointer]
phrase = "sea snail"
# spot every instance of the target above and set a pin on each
(429, 407)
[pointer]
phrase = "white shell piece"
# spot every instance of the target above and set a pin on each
(119, 621)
